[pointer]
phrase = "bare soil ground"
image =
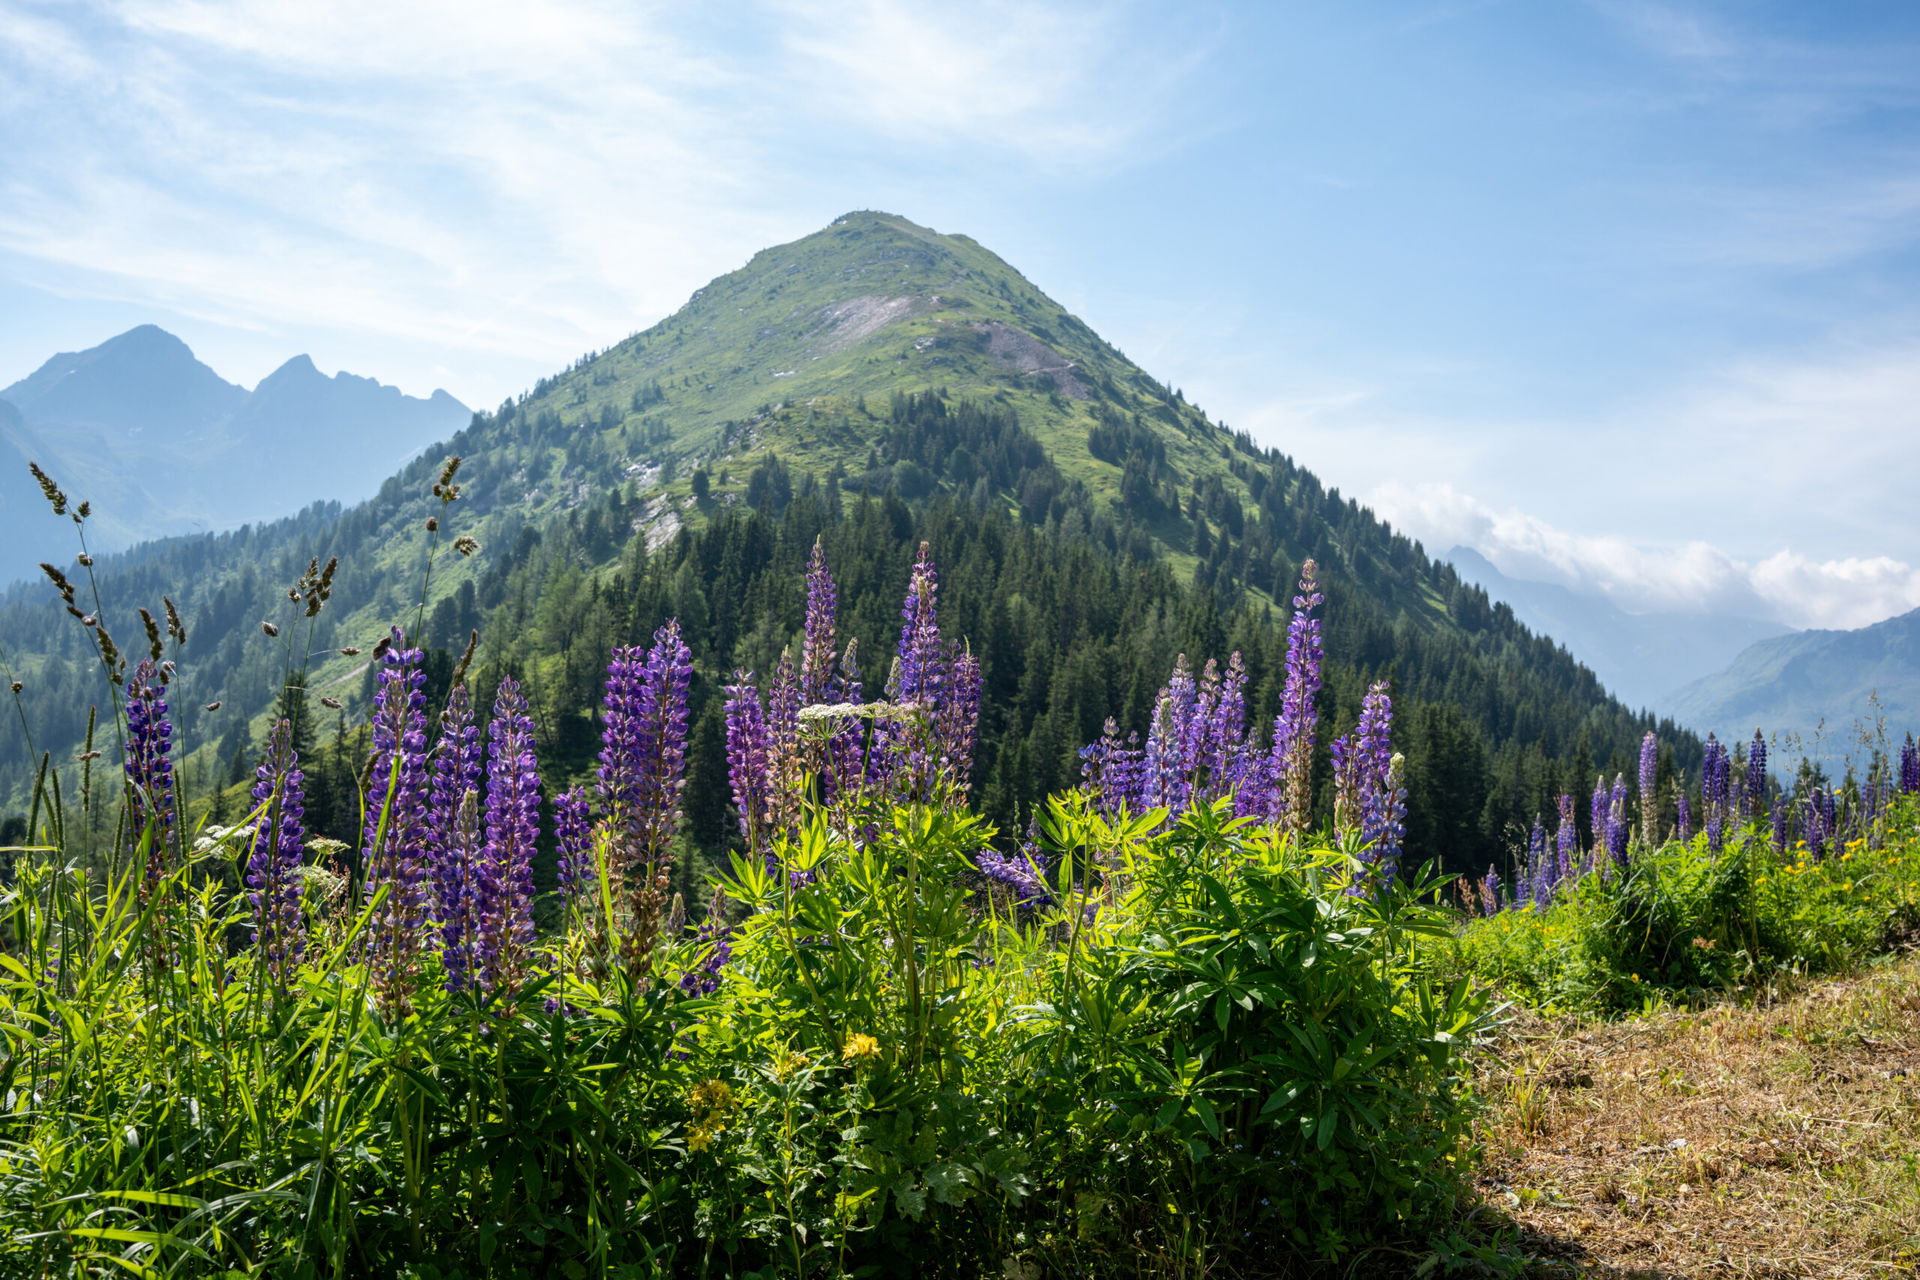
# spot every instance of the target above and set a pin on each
(1778, 1138)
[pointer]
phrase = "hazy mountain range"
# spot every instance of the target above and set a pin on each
(1822, 694)
(161, 444)
(1832, 689)
(1642, 658)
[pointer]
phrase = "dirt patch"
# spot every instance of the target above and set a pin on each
(1735, 1142)
(1025, 354)
(843, 324)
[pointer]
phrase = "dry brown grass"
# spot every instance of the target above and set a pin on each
(1748, 1142)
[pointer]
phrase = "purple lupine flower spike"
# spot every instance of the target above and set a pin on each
(273, 863)
(643, 754)
(1909, 768)
(149, 771)
(956, 725)
(749, 760)
(1291, 764)
(1169, 769)
(1490, 891)
(396, 839)
(786, 766)
(1382, 798)
(918, 658)
(1566, 851)
(1757, 778)
(573, 841)
(1346, 784)
(1780, 833)
(1617, 828)
(1682, 810)
(817, 651)
(1649, 790)
(503, 906)
(1715, 792)
(713, 947)
(1225, 754)
(1597, 816)
(1535, 884)
(456, 777)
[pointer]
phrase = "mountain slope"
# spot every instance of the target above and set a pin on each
(877, 382)
(161, 444)
(1794, 683)
(1641, 657)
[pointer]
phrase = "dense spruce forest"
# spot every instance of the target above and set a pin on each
(1089, 524)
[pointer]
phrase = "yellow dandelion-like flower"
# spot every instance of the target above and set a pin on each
(860, 1047)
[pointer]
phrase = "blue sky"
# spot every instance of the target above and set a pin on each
(1621, 293)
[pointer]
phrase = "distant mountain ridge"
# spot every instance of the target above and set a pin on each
(1642, 658)
(1828, 685)
(164, 445)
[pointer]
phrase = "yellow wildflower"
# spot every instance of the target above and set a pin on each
(859, 1048)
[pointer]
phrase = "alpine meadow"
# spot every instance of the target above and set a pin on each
(861, 779)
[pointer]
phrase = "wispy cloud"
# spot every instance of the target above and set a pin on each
(524, 178)
(1690, 577)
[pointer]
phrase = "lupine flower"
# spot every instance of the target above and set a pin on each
(1113, 772)
(273, 863)
(956, 723)
(1909, 767)
(643, 756)
(1649, 794)
(1490, 892)
(749, 760)
(573, 841)
(846, 751)
(1597, 815)
(1822, 820)
(1223, 754)
(1715, 792)
(1017, 872)
(1757, 777)
(1567, 843)
(914, 759)
(716, 936)
(1536, 880)
(1617, 828)
(1682, 810)
(149, 770)
(456, 776)
(1169, 773)
(1290, 767)
(1780, 824)
(788, 769)
(396, 838)
(503, 899)
(918, 668)
(1367, 791)
(817, 651)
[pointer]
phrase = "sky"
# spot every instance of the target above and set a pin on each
(1622, 294)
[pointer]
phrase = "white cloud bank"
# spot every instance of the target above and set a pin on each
(1691, 577)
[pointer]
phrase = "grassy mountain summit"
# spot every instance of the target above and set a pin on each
(877, 383)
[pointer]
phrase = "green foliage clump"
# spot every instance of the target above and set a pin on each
(1187, 1047)
(1682, 922)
